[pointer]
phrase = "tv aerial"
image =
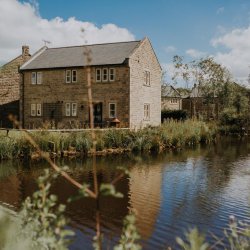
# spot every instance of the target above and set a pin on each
(46, 42)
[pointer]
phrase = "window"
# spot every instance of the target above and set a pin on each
(36, 109)
(174, 100)
(105, 75)
(71, 76)
(39, 78)
(146, 111)
(74, 76)
(74, 109)
(71, 109)
(98, 75)
(111, 75)
(112, 110)
(147, 77)
(39, 109)
(36, 77)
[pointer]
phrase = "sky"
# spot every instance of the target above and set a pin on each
(189, 28)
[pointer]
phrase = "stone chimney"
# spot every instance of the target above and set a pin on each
(25, 53)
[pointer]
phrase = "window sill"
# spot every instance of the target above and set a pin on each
(146, 85)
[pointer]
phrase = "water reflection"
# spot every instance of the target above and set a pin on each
(170, 192)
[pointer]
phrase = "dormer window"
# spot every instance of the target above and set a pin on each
(71, 76)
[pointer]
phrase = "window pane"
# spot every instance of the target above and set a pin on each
(112, 110)
(105, 75)
(39, 78)
(67, 109)
(111, 74)
(33, 80)
(74, 109)
(39, 109)
(33, 110)
(73, 75)
(68, 76)
(98, 75)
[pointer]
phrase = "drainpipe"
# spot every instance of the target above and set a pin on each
(21, 110)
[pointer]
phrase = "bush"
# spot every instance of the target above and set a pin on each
(174, 114)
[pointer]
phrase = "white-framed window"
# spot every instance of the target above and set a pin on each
(146, 111)
(68, 76)
(74, 76)
(36, 78)
(104, 74)
(67, 109)
(39, 109)
(174, 100)
(98, 75)
(71, 76)
(71, 109)
(74, 109)
(147, 77)
(39, 78)
(33, 109)
(112, 110)
(111, 74)
(36, 109)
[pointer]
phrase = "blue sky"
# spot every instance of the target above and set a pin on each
(191, 28)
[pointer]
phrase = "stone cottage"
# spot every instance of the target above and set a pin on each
(126, 86)
(9, 88)
(170, 98)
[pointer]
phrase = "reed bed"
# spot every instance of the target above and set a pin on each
(171, 134)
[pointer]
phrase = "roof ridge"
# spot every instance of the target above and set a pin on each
(94, 44)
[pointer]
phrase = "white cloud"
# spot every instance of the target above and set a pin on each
(195, 53)
(237, 56)
(21, 23)
(220, 10)
(170, 49)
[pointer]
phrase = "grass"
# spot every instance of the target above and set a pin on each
(171, 134)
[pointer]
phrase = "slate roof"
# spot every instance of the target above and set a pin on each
(101, 54)
(169, 91)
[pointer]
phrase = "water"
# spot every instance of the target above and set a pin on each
(171, 192)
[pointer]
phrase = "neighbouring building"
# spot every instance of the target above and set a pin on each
(198, 106)
(170, 98)
(126, 86)
(10, 88)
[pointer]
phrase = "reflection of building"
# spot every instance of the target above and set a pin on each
(145, 196)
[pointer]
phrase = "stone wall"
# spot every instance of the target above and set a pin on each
(54, 89)
(10, 88)
(144, 59)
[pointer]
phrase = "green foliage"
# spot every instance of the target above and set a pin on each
(107, 189)
(130, 236)
(194, 241)
(173, 114)
(238, 235)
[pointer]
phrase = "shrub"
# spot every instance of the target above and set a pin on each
(174, 114)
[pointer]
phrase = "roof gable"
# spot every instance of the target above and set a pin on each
(101, 54)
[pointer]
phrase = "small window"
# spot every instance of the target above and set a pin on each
(98, 75)
(39, 109)
(67, 111)
(74, 109)
(146, 111)
(74, 77)
(112, 110)
(33, 77)
(33, 110)
(111, 75)
(39, 78)
(174, 100)
(147, 77)
(68, 76)
(105, 75)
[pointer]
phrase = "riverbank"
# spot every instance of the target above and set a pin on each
(171, 134)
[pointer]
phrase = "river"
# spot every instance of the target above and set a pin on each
(170, 192)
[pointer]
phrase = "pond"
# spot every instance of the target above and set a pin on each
(171, 192)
